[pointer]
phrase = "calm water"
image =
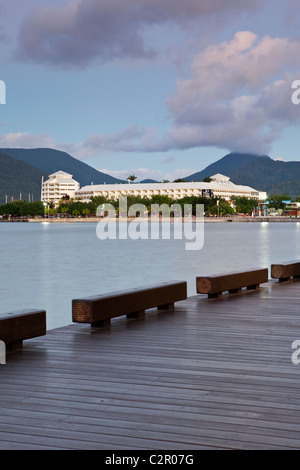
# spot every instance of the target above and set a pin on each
(47, 265)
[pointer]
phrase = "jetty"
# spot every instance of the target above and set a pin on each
(212, 373)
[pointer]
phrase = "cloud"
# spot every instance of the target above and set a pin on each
(132, 139)
(84, 31)
(140, 173)
(146, 173)
(169, 159)
(238, 95)
(26, 140)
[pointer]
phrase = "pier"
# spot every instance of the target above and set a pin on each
(210, 374)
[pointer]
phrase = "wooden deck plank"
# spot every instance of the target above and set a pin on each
(215, 373)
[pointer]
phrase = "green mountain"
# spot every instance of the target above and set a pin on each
(259, 172)
(18, 178)
(21, 171)
(51, 160)
(225, 166)
(274, 177)
(147, 181)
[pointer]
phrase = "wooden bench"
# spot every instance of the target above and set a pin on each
(17, 326)
(284, 271)
(99, 310)
(232, 283)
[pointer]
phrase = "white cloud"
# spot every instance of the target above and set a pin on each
(237, 97)
(26, 140)
(146, 173)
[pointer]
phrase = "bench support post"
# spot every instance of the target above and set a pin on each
(216, 295)
(139, 314)
(15, 346)
(235, 291)
(166, 306)
(101, 323)
(254, 287)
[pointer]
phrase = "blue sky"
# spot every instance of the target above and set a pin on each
(155, 88)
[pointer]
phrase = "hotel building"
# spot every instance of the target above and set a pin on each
(58, 185)
(220, 186)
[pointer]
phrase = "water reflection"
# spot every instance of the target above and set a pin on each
(46, 265)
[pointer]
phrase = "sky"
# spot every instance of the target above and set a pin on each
(155, 88)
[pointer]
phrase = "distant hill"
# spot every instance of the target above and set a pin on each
(275, 177)
(21, 172)
(17, 177)
(51, 160)
(259, 172)
(148, 181)
(226, 165)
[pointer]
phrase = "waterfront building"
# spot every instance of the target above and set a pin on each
(219, 186)
(292, 208)
(58, 185)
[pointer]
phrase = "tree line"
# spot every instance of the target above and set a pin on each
(69, 208)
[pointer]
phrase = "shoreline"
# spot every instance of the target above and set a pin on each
(237, 219)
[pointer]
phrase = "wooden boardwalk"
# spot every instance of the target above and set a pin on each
(213, 374)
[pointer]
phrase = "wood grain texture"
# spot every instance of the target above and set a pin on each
(231, 282)
(96, 310)
(284, 271)
(208, 375)
(20, 325)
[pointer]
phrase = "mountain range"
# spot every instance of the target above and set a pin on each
(21, 172)
(260, 172)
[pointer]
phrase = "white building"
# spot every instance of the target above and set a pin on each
(220, 186)
(58, 185)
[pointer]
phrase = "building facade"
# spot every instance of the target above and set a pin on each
(58, 185)
(219, 186)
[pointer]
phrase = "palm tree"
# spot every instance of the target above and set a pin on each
(132, 178)
(76, 212)
(64, 210)
(86, 211)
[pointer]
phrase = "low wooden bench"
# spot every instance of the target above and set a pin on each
(99, 310)
(284, 271)
(232, 283)
(19, 325)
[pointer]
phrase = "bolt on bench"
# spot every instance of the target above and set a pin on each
(99, 310)
(232, 283)
(284, 271)
(19, 325)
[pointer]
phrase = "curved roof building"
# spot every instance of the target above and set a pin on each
(220, 186)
